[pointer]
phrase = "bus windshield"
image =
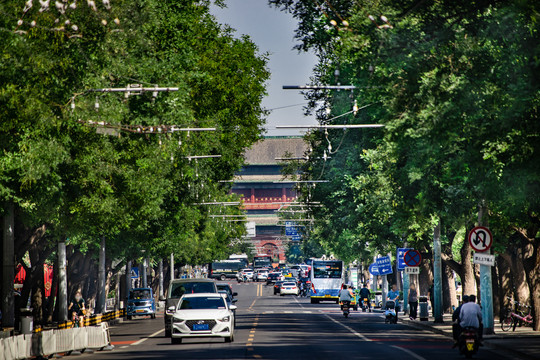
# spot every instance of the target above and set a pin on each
(327, 269)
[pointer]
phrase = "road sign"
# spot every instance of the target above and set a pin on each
(484, 259)
(412, 270)
(480, 239)
(290, 228)
(385, 265)
(412, 258)
(134, 272)
(296, 237)
(400, 263)
(374, 269)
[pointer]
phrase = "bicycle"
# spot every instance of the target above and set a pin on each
(512, 319)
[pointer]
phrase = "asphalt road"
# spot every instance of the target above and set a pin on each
(274, 327)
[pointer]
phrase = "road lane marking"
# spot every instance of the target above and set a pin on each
(250, 308)
(354, 332)
(150, 336)
(257, 356)
(416, 356)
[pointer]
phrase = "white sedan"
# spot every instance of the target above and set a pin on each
(202, 315)
(289, 288)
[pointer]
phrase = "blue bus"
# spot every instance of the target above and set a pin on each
(327, 277)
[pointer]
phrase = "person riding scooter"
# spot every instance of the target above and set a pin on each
(365, 294)
(345, 298)
(471, 316)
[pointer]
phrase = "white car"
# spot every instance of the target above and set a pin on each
(289, 288)
(202, 315)
(261, 275)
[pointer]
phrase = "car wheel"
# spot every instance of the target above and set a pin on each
(223, 277)
(129, 317)
(314, 301)
(175, 341)
(281, 295)
(153, 316)
(167, 333)
(230, 339)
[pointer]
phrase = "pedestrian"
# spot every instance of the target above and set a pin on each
(431, 298)
(413, 301)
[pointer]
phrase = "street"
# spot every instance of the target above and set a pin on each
(274, 327)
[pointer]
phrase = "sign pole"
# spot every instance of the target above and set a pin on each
(406, 285)
(486, 291)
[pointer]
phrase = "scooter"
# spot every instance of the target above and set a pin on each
(365, 305)
(390, 316)
(345, 307)
(468, 342)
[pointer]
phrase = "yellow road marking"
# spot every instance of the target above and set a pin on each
(257, 356)
(251, 306)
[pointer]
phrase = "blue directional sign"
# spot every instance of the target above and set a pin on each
(296, 237)
(374, 269)
(290, 228)
(134, 272)
(400, 262)
(385, 265)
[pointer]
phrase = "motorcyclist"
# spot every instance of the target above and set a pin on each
(345, 295)
(470, 315)
(456, 328)
(365, 293)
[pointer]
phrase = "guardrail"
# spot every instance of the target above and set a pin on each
(65, 339)
(50, 342)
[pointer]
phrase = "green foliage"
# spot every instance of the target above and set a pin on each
(140, 191)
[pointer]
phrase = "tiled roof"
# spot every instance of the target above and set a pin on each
(267, 150)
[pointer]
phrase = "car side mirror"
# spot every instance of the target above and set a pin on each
(233, 307)
(171, 309)
(234, 294)
(234, 300)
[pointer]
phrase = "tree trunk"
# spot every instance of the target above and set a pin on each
(449, 290)
(468, 281)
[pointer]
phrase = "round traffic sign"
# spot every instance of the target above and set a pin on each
(412, 258)
(480, 239)
(374, 269)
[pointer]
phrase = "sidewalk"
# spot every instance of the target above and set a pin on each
(524, 342)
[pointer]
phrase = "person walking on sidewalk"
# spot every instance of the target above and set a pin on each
(413, 301)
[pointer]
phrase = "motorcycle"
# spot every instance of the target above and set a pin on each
(365, 305)
(345, 307)
(468, 342)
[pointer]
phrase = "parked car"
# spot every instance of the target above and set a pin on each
(202, 315)
(289, 288)
(261, 274)
(179, 287)
(277, 286)
(141, 302)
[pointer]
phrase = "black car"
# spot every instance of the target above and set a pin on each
(273, 277)
(277, 286)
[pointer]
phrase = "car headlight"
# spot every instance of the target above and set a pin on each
(225, 319)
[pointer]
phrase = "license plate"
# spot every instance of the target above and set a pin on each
(200, 327)
(327, 295)
(139, 311)
(470, 347)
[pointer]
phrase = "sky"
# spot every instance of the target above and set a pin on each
(273, 32)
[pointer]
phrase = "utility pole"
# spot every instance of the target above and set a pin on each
(172, 266)
(143, 274)
(160, 278)
(62, 282)
(486, 290)
(128, 282)
(406, 286)
(437, 274)
(8, 267)
(100, 304)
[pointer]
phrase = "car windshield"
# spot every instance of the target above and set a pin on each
(182, 288)
(200, 303)
(139, 294)
(289, 284)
